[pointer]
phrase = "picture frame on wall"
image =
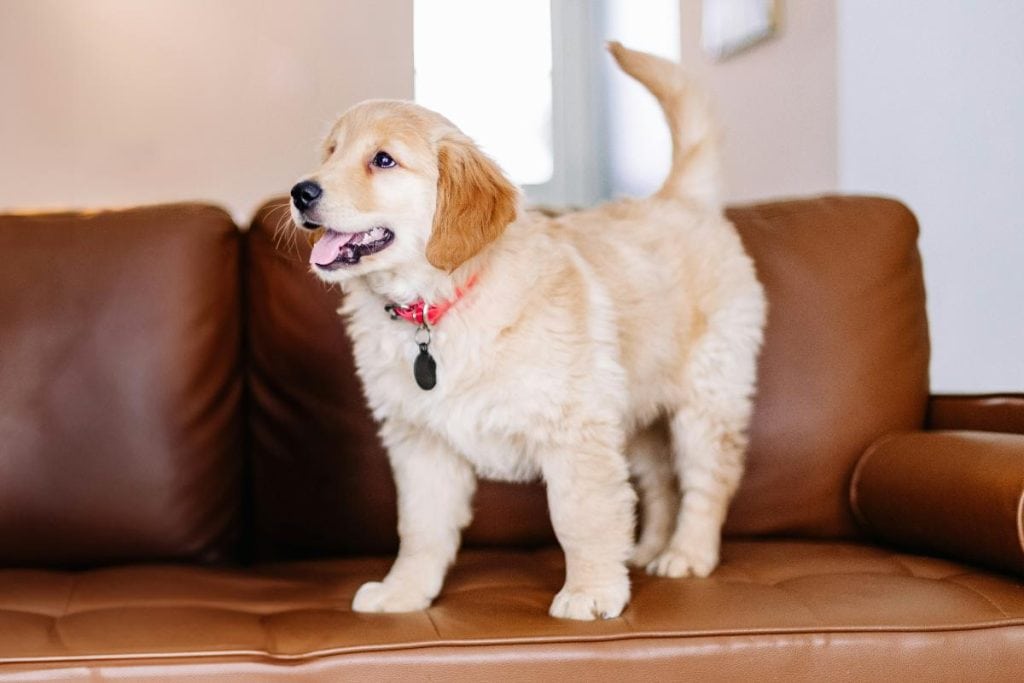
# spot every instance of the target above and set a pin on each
(729, 27)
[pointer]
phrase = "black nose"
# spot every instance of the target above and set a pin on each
(305, 194)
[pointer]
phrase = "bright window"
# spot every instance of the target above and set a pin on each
(486, 65)
(530, 81)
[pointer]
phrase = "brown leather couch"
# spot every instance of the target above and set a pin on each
(191, 488)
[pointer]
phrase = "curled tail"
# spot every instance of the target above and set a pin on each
(695, 157)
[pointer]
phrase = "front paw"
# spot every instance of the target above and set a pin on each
(587, 603)
(380, 596)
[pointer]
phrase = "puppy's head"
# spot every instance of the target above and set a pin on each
(399, 187)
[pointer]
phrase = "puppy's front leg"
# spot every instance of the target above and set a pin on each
(435, 487)
(591, 505)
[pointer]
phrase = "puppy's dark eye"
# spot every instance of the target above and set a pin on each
(383, 160)
(330, 150)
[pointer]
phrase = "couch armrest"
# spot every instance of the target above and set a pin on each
(982, 412)
(957, 494)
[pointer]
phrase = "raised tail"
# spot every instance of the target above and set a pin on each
(695, 172)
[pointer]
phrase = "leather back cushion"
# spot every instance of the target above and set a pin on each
(120, 386)
(845, 357)
(845, 360)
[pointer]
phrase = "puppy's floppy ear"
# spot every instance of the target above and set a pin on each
(474, 204)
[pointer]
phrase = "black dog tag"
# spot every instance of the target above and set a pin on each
(424, 369)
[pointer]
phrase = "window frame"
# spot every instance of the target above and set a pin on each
(578, 115)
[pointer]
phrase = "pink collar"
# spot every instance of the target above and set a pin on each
(421, 313)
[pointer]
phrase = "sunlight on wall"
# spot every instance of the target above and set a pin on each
(487, 67)
(640, 149)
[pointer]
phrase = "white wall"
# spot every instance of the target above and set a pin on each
(931, 110)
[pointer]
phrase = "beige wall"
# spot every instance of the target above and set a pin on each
(777, 103)
(111, 102)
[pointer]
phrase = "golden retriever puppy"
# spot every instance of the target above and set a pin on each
(581, 349)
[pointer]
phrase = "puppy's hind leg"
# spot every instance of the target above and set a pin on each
(710, 463)
(650, 463)
(435, 487)
(592, 506)
(709, 435)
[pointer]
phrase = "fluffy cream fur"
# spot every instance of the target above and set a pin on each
(614, 342)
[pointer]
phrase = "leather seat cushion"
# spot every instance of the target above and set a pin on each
(799, 605)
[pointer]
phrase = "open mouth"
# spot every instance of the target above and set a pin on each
(339, 249)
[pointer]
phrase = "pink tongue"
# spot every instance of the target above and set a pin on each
(327, 247)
